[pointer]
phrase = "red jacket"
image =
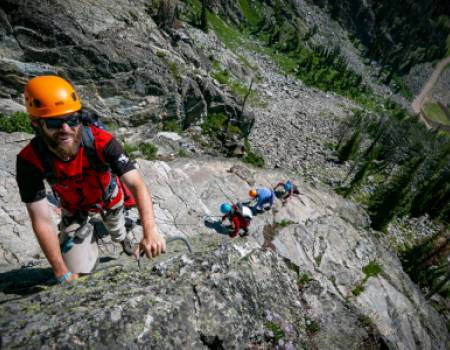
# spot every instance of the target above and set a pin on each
(78, 186)
(237, 220)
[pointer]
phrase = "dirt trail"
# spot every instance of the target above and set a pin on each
(418, 101)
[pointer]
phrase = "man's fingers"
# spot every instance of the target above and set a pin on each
(153, 249)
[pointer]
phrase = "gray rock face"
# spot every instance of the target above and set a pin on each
(124, 66)
(310, 251)
(297, 130)
(7, 106)
(17, 243)
(296, 281)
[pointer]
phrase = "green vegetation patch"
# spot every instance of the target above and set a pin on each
(129, 150)
(182, 153)
(149, 150)
(251, 12)
(435, 112)
(222, 76)
(252, 157)
(214, 124)
(172, 125)
(237, 88)
(312, 326)
(228, 35)
(402, 88)
(303, 279)
(15, 122)
(372, 269)
(276, 330)
(358, 290)
(174, 71)
(284, 223)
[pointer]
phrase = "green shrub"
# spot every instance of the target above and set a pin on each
(172, 125)
(149, 150)
(350, 148)
(182, 153)
(284, 223)
(129, 150)
(303, 279)
(173, 68)
(222, 76)
(366, 321)
(214, 124)
(252, 157)
(277, 331)
(160, 54)
(372, 269)
(358, 290)
(312, 326)
(318, 259)
(234, 130)
(17, 121)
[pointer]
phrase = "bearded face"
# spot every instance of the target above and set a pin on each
(63, 142)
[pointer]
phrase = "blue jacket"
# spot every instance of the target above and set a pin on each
(264, 195)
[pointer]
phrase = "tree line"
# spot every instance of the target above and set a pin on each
(409, 168)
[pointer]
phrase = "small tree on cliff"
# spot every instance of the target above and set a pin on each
(387, 201)
(204, 18)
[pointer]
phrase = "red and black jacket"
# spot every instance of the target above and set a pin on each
(84, 183)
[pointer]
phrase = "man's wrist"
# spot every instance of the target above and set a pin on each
(60, 271)
(64, 277)
(150, 231)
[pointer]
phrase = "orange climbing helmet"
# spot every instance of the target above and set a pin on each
(252, 193)
(50, 96)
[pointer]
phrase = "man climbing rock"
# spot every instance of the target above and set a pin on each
(87, 170)
(239, 216)
(264, 198)
(288, 189)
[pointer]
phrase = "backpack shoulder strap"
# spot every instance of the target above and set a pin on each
(239, 209)
(88, 141)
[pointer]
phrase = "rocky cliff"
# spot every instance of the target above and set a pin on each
(310, 273)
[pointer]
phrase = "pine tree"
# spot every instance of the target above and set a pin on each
(387, 201)
(427, 263)
(204, 18)
(348, 150)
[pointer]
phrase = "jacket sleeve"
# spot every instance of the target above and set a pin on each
(115, 156)
(30, 181)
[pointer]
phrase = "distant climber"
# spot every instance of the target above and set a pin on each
(264, 198)
(86, 168)
(239, 217)
(288, 189)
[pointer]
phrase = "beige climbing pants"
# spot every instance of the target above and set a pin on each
(82, 255)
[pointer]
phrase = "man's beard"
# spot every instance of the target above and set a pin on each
(63, 151)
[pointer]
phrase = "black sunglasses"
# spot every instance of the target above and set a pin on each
(72, 120)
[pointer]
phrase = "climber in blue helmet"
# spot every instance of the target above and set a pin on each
(239, 217)
(288, 189)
